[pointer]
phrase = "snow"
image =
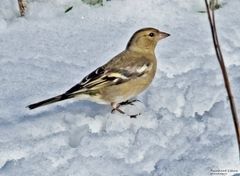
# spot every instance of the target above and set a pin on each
(186, 126)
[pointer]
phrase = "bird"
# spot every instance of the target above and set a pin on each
(122, 78)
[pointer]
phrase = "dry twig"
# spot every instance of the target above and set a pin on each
(22, 6)
(218, 51)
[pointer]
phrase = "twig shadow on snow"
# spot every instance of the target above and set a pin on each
(85, 108)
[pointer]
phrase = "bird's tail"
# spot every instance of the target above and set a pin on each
(50, 101)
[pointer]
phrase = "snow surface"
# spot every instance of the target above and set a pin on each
(185, 128)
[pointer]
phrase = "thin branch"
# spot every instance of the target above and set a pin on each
(22, 6)
(219, 54)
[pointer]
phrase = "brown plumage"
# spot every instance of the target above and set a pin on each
(123, 77)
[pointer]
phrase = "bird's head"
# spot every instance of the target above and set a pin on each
(145, 40)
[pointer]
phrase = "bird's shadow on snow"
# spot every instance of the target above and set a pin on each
(81, 108)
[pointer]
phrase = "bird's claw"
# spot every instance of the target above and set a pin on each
(129, 102)
(134, 116)
(122, 112)
(117, 109)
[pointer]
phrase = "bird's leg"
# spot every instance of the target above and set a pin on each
(129, 102)
(116, 108)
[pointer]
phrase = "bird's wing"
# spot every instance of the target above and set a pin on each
(107, 76)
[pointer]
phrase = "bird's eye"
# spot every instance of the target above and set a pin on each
(151, 34)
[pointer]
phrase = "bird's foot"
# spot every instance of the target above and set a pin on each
(134, 116)
(116, 108)
(122, 112)
(129, 102)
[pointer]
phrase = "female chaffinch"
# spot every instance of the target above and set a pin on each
(122, 78)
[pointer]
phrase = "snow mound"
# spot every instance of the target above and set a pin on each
(185, 126)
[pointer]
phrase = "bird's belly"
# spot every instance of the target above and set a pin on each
(125, 91)
(97, 98)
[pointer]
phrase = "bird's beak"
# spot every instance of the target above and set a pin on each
(163, 35)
